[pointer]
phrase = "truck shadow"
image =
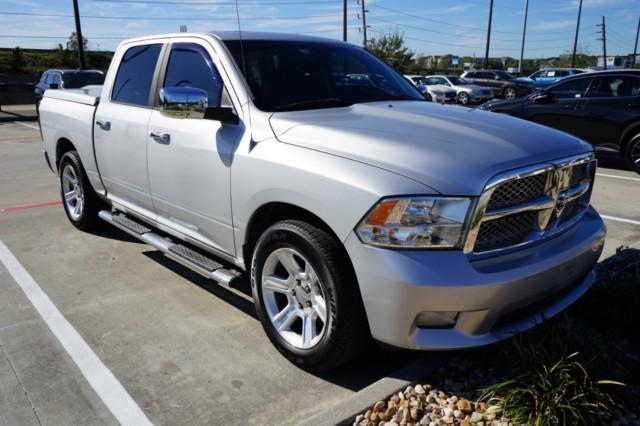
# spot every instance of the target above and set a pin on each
(375, 363)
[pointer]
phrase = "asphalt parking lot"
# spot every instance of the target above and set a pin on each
(185, 350)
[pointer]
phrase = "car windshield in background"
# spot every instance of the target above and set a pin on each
(458, 81)
(76, 80)
(420, 80)
(300, 75)
(505, 75)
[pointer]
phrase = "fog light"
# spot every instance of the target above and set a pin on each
(428, 319)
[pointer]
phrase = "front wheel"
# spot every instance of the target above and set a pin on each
(307, 297)
(428, 97)
(510, 93)
(463, 98)
(632, 153)
(81, 204)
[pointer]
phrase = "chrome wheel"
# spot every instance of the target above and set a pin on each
(72, 192)
(294, 298)
(635, 154)
(463, 98)
(510, 93)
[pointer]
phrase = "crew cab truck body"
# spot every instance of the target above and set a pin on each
(356, 211)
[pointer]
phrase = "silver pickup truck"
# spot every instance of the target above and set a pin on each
(355, 208)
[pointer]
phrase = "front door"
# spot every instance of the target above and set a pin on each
(190, 165)
(565, 110)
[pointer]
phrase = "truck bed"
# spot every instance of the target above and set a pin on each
(69, 115)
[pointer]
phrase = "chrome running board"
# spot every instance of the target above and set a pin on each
(196, 261)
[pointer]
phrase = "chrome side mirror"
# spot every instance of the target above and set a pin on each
(183, 102)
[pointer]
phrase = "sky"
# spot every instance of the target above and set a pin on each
(430, 27)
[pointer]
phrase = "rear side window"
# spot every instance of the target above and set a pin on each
(615, 86)
(190, 66)
(485, 75)
(135, 75)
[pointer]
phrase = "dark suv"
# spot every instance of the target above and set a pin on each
(503, 84)
(67, 79)
(603, 108)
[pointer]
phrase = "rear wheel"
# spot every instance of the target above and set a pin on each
(306, 296)
(510, 93)
(463, 98)
(632, 153)
(81, 204)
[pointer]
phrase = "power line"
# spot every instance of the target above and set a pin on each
(183, 18)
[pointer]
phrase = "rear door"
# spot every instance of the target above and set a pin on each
(190, 169)
(488, 79)
(566, 110)
(613, 102)
(120, 126)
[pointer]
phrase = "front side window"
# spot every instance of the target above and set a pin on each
(190, 66)
(297, 75)
(574, 88)
(615, 86)
(135, 75)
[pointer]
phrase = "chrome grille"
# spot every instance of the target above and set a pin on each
(531, 203)
(518, 191)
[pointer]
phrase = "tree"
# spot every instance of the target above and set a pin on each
(391, 48)
(584, 59)
(72, 44)
(18, 60)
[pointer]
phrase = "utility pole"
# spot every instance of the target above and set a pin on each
(524, 32)
(364, 24)
(76, 14)
(575, 40)
(635, 48)
(344, 20)
(603, 32)
(486, 52)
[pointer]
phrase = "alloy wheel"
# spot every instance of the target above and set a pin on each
(294, 298)
(73, 192)
(510, 93)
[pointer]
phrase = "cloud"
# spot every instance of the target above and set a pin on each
(555, 25)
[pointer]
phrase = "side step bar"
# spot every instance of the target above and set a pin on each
(192, 259)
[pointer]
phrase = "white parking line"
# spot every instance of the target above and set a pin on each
(617, 177)
(620, 219)
(103, 382)
(31, 126)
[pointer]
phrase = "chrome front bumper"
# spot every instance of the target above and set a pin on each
(494, 297)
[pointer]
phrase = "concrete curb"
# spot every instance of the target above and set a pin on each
(343, 412)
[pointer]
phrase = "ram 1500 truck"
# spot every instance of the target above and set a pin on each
(355, 208)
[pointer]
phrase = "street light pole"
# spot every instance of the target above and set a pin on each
(344, 20)
(635, 48)
(524, 32)
(575, 41)
(486, 52)
(79, 38)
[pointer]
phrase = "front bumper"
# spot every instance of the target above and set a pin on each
(495, 297)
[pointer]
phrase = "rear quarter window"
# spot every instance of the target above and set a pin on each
(135, 75)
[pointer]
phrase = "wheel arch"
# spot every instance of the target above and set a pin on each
(628, 133)
(63, 145)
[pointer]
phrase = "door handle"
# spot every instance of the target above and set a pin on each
(104, 125)
(160, 137)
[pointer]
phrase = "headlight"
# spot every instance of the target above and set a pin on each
(416, 222)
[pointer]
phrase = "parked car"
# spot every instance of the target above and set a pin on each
(602, 108)
(466, 91)
(546, 77)
(433, 92)
(66, 79)
(354, 212)
(503, 84)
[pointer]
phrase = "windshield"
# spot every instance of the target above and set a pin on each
(505, 75)
(419, 80)
(458, 81)
(76, 80)
(297, 75)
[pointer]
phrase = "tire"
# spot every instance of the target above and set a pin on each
(463, 98)
(510, 93)
(294, 296)
(81, 204)
(632, 153)
(428, 97)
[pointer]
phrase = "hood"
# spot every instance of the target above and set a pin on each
(525, 79)
(441, 87)
(453, 150)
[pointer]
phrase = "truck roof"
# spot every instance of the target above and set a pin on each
(246, 35)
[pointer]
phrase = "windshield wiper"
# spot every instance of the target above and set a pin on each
(395, 98)
(314, 104)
